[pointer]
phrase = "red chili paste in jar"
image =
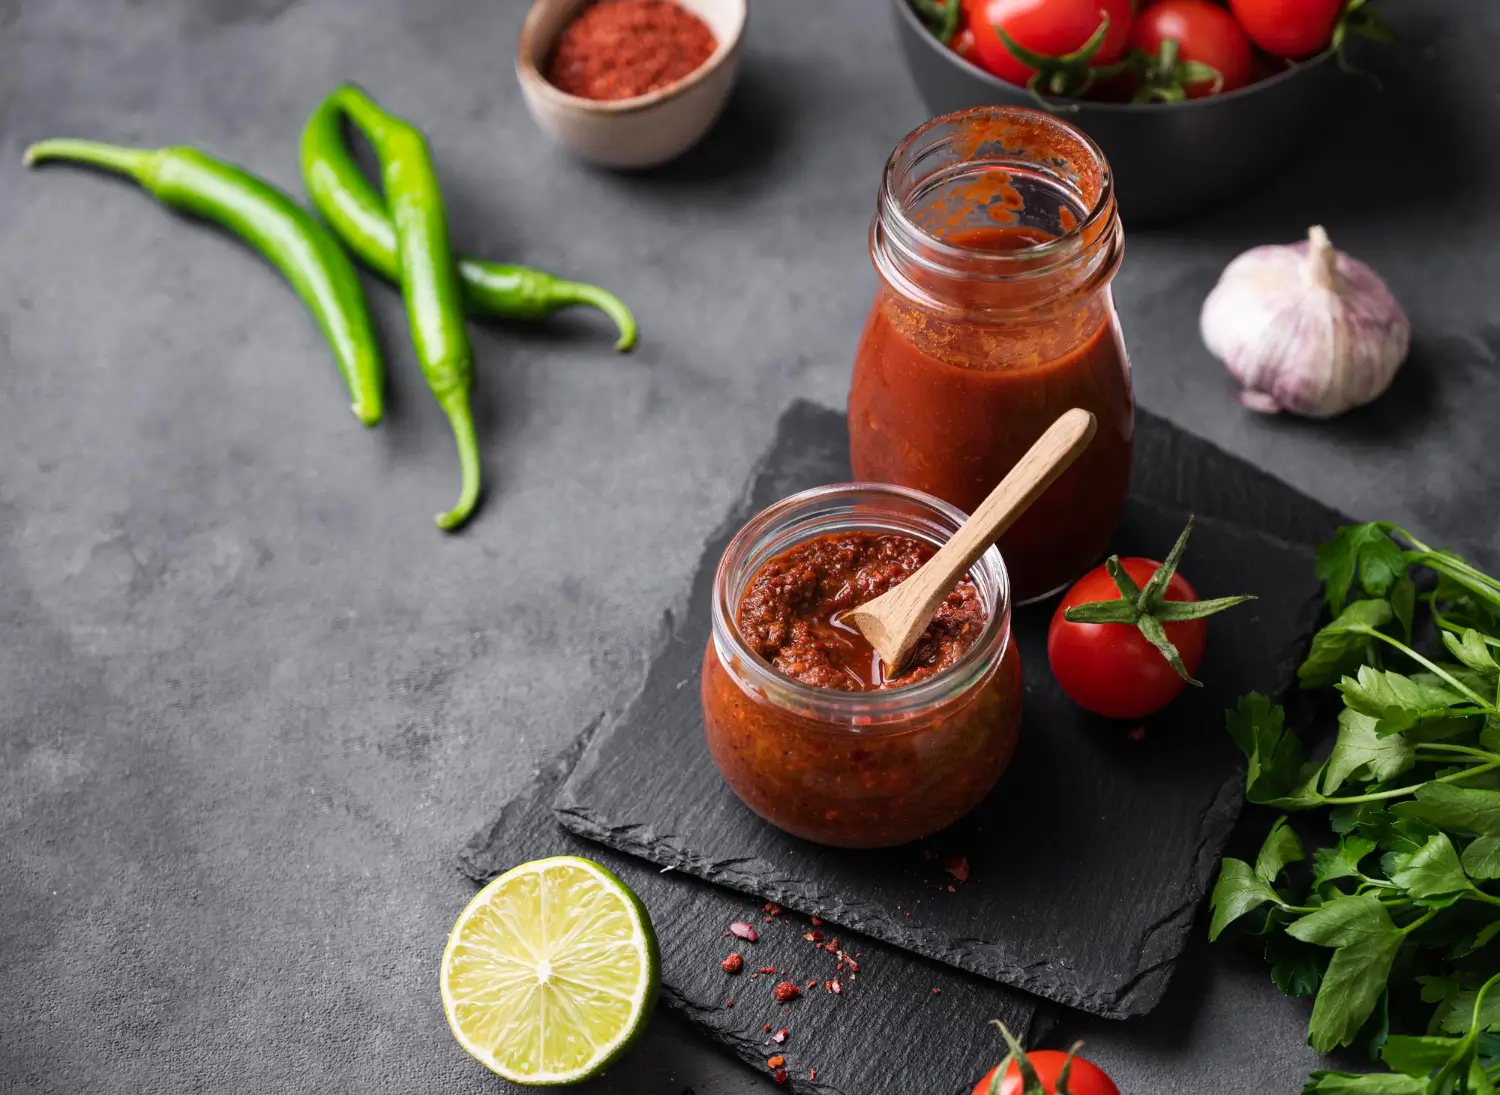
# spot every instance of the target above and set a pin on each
(790, 610)
(996, 237)
(797, 713)
(948, 407)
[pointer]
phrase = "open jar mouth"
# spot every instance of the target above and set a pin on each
(847, 507)
(997, 166)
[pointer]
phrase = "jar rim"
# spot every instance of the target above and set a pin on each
(901, 245)
(1100, 208)
(848, 507)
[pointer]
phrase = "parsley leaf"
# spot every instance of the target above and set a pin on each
(1364, 752)
(1466, 809)
(1363, 550)
(1296, 967)
(1238, 891)
(1342, 860)
(1418, 1055)
(1341, 646)
(1471, 649)
(1374, 1083)
(1433, 871)
(1281, 847)
(1366, 942)
(1396, 701)
(1481, 859)
(1277, 774)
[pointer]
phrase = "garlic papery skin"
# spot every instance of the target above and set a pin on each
(1305, 329)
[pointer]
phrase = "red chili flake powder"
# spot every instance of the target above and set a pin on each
(937, 992)
(786, 991)
(729, 1003)
(618, 49)
(834, 986)
(768, 969)
(775, 1062)
(740, 930)
(772, 909)
(779, 1076)
(815, 921)
(813, 937)
(733, 964)
(780, 1036)
(766, 1028)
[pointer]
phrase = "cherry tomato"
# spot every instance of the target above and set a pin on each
(1111, 669)
(1086, 1078)
(1289, 28)
(1049, 27)
(963, 44)
(1205, 33)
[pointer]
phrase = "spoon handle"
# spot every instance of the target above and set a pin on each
(916, 600)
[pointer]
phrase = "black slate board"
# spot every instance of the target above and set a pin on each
(856, 1040)
(1089, 862)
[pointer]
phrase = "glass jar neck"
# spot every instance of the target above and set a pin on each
(875, 507)
(996, 212)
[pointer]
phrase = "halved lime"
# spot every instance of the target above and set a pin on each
(551, 972)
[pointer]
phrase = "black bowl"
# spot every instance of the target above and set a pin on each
(1169, 159)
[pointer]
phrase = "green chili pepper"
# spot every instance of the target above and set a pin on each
(428, 276)
(289, 236)
(347, 201)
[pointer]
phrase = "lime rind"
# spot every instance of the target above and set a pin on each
(551, 972)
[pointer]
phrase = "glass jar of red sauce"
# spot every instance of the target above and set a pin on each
(870, 763)
(996, 237)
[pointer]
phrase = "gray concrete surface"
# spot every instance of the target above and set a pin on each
(251, 701)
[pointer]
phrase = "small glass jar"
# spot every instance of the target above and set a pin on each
(859, 769)
(996, 237)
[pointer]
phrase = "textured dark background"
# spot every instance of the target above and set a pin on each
(251, 701)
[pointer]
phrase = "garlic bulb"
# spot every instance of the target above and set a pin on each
(1305, 329)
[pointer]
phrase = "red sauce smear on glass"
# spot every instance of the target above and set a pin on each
(620, 49)
(789, 613)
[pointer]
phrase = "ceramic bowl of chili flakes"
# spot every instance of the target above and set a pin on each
(629, 83)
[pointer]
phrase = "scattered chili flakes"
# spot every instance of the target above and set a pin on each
(766, 1028)
(833, 986)
(813, 936)
(772, 909)
(729, 1003)
(958, 867)
(733, 964)
(812, 1074)
(740, 930)
(780, 1036)
(815, 921)
(768, 969)
(952, 890)
(1138, 734)
(779, 1076)
(786, 991)
(775, 1062)
(813, 983)
(937, 992)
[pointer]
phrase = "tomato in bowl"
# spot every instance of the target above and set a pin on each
(1170, 159)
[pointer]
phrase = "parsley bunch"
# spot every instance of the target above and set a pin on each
(1402, 898)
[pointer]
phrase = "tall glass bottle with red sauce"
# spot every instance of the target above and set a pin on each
(996, 237)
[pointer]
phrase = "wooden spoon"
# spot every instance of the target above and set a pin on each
(894, 621)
